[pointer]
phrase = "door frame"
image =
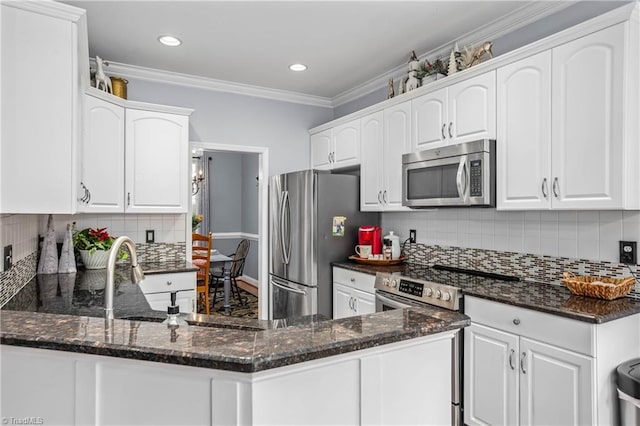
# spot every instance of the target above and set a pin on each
(263, 213)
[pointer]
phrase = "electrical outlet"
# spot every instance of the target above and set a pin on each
(412, 235)
(8, 257)
(150, 236)
(629, 252)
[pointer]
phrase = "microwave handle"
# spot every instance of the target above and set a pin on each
(461, 182)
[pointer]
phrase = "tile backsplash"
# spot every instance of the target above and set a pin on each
(169, 228)
(592, 235)
(21, 231)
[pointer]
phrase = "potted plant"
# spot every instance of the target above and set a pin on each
(432, 71)
(94, 246)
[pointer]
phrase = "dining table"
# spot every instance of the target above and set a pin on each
(219, 259)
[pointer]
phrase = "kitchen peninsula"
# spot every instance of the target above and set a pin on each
(69, 369)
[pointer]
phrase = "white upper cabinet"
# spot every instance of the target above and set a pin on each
(385, 138)
(463, 112)
(335, 148)
(587, 127)
(523, 145)
(157, 148)
(321, 150)
(429, 120)
(371, 180)
(102, 159)
(45, 65)
(472, 109)
(561, 141)
(397, 142)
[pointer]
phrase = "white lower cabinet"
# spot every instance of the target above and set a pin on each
(524, 367)
(157, 289)
(353, 293)
(383, 385)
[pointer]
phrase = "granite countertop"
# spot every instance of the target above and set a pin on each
(549, 298)
(65, 312)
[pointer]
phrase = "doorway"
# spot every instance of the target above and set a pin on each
(241, 177)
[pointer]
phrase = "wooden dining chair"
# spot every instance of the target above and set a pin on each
(201, 257)
(236, 270)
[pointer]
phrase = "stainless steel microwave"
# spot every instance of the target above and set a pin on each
(451, 176)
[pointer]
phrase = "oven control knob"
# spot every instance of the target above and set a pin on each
(446, 296)
(429, 291)
(385, 281)
(438, 294)
(394, 283)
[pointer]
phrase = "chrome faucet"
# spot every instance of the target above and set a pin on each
(136, 272)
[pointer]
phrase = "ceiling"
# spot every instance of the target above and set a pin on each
(344, 43)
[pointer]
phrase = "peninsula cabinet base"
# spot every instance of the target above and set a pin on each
(389, 384)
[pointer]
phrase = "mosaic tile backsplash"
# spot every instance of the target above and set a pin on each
(528, 267)
(13, 280)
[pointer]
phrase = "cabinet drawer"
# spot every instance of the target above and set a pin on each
(563, 332)
(184, 299)
(357, 280)
(161, 283)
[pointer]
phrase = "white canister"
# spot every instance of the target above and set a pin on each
(395, 244)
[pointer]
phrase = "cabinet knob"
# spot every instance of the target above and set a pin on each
(516, 321)
(169, 283)
(353, 280)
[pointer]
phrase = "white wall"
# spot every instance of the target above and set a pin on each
(228, 118)
(590, 235)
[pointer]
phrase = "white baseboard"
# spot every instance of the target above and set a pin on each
(249, 280)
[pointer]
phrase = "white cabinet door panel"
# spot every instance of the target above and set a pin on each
(491, 376)
(523, 145)
(397, 141)
(364, 303)
(321, 148)
(156, 161)
(472, 109)
(346, 144)
(429, 120)
(555, 386)
(102, 157)
(342, 301)
(372, 159)
(587, 129)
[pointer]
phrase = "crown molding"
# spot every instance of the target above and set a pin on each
(517, 19)
(48, 8)
(150, 74)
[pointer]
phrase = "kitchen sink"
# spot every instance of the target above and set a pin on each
(197, 323)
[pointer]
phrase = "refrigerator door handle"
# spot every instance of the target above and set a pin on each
(287, 288)
(286, 211)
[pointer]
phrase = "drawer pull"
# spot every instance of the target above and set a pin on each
(169, 283)
(516, 321)
(513, 352)
(353, 280)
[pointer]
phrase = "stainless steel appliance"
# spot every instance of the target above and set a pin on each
(307, 233)
(450, 176)
(394, 291)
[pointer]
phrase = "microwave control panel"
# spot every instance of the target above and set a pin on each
(475, 178)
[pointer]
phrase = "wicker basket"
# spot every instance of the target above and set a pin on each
(598, 287)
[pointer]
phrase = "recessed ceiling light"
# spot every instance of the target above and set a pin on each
(297, 67)
(168, 40)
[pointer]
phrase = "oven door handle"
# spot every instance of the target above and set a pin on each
(462, 168)
(393, 303)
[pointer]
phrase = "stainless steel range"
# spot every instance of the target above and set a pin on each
(394, 291)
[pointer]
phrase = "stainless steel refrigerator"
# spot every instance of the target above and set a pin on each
(305, 211)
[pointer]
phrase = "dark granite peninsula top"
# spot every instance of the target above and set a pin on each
(224, 348)
(549, 298)
(167, 267)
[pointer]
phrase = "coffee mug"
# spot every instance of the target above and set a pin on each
(363, 251)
